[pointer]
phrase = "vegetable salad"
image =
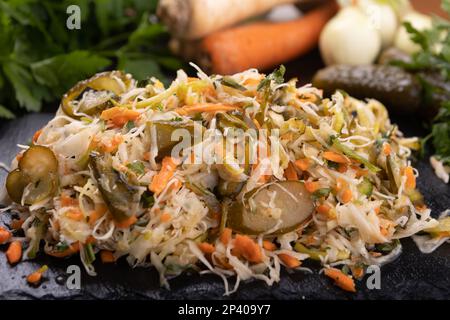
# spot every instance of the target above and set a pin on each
(101, 180)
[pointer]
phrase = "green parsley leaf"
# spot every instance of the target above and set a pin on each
(137, 167)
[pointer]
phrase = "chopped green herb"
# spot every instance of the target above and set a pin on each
(137, 167)
(387, 247)
(320, 193)
(230, 82)
(148, 200)
(61, 246)
(352, 154)
(277, 76)
(130, 125)
(89, 253)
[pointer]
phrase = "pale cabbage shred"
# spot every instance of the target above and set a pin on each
(347, 234)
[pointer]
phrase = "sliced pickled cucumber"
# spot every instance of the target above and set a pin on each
(36, 176)
(105, 81)
(121, 198)
(164, 131)
(276, 208)
(15, 184)
(399, 90)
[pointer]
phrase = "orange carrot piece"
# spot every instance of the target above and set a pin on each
(107, 256)
(269, 246)
(410, 178)
(166, 217)
(357, 272)
(75, 214)
(387, 149)
(341, 279)
(312, 186)
(112, 145)
(100, 210)
(35, 277)
(245, 246)
(206, 247)
(237, 49)
(360, 172)
(302, 164)
(323, 209)
(5, 235)
(225, 237)
(119, 116)
(342, 168)
(16, 224)
(335, 157)
(126, 223)
(160, 180)
(289, 260)
(36, 135)
(290, 173)
(73, 248)
(68, 201)
(347, 196)
(14, 252)
(205, 107)
(340, 184)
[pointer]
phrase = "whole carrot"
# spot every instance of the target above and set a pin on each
(262, 45)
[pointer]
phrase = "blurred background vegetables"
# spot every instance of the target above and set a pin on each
(40, 58)
(411, 76)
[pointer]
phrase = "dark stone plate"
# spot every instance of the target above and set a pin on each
(412, 276)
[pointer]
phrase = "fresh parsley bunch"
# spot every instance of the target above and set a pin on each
(435, 57)
(40, 58)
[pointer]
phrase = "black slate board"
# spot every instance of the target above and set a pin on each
(412, 276)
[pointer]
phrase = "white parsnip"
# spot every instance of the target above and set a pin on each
(193, 19)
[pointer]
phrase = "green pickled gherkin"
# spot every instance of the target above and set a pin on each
(398, 90)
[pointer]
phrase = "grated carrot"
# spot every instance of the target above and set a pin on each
(16, 224)
(269, 246)
(342, 168)
(247, 248)
(347, 196)
(5, 235)
(119, 116)
(225, 237)
(302, 164)
(341, 279)
(100, 210)
(312, 186)
(14, 252)
(126, 223)
(323, 209)
(75, 214)
(35, 277)
(73, 248)
(166, 217)
(290, 172)
(205, 107)
(387, 149)
(206, 247)
(410, 178)
(335, 157)
(289, 260)
(160, 180)
(36, 135)
(107, 256)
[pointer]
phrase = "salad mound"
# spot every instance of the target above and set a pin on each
(111, 176)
